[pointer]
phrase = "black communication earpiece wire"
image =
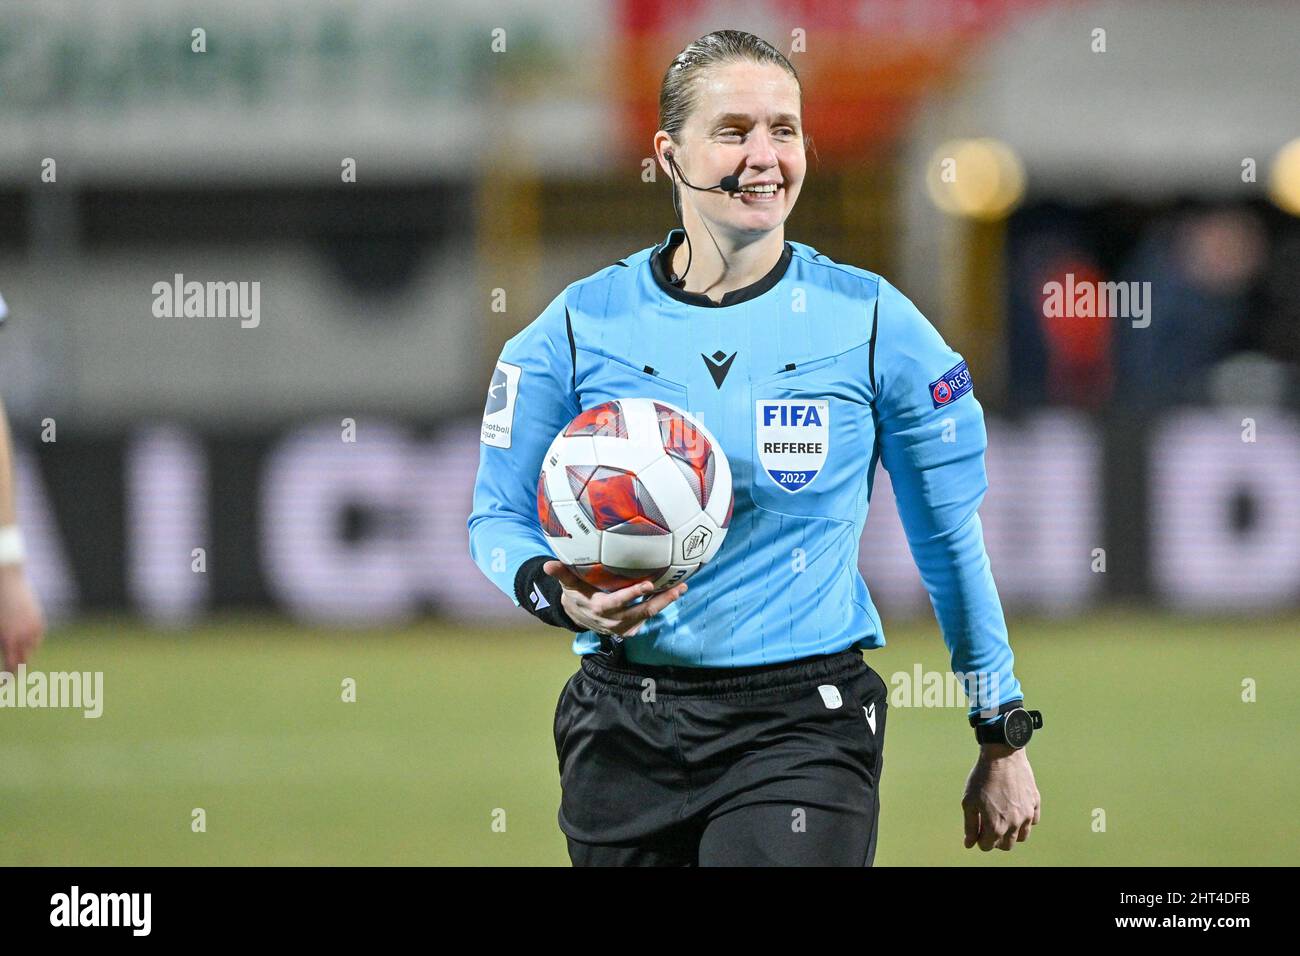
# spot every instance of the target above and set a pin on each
(672, 162)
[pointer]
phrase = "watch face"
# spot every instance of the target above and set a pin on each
(1019, 728)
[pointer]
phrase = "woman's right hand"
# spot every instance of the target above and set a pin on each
(609, 612)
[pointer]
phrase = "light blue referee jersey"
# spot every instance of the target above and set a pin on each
(805, 378)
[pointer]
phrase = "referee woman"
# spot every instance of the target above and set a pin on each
(738, 724)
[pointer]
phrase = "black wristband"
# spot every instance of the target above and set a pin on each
(539, 594)
(1010, 705)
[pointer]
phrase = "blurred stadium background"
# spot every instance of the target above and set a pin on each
(389, 171)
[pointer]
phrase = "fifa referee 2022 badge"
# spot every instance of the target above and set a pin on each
(738, 724)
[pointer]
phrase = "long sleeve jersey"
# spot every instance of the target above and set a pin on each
(805, 378)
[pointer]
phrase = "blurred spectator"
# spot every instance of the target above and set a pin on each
(1202, 269)
(1078, 342)
(1055, 356)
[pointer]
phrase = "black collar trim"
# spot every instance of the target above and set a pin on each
(662, 256)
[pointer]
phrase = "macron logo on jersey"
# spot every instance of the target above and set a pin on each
(717, 367)
(539, 599)
(955, 383)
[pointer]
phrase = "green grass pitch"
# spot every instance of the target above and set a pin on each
(451, 731)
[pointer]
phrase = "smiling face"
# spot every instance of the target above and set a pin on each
(746, 122)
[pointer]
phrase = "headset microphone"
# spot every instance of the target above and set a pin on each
(728, 184)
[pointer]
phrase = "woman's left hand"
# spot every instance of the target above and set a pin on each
(1001, 802)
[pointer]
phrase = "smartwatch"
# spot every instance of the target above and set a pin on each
(1013, 728)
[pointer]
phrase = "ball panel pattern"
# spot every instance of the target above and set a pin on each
(612, 498)
(605, 419)
(688, 446)
(701, 482)
(582, 545)
(672, 493)
(578, 476)
(546, 511)
(613, 579)
(636, 551)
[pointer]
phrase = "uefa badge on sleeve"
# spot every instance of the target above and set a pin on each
(793, 438)
(955, 383)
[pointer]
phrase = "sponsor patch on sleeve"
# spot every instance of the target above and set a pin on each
(953, 385)
(499, 412)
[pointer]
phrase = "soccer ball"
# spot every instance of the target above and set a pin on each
(634, 490)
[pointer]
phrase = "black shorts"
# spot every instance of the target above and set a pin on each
(685, 766)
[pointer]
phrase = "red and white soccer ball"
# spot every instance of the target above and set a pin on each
(635, 490)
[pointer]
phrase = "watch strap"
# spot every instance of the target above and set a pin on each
(982, 718)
